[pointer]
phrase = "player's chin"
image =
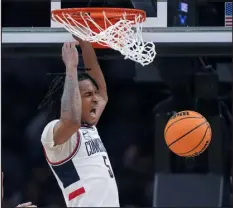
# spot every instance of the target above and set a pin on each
(92, 119)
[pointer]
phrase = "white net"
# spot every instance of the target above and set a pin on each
(124, 36)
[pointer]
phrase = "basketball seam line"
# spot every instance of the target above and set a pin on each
(179, 120)
(197, 144)
(187, 133)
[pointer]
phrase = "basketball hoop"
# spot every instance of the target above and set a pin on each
(116, 28)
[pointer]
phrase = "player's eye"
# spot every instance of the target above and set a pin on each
(88, 94)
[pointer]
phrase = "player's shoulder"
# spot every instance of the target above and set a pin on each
(47, 137)
(50, 125)
(48, 129)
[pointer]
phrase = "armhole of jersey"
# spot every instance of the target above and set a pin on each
(75, 151)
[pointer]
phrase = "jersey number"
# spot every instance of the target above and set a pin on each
(109, 169)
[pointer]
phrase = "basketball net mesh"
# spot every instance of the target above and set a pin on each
(121, 36)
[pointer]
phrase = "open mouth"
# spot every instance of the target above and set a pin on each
(93, 111)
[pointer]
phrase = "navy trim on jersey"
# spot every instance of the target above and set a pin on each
(66, 173)
(92, 128)
(86, 126)
(69, 157)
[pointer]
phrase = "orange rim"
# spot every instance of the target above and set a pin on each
(113, 14)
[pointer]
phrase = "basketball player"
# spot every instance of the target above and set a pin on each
(73, 148)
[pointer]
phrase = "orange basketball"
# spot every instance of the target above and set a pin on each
(187, 134)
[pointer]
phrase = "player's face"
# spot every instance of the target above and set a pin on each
(90, 100)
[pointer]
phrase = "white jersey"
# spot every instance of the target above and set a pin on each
(82, 168)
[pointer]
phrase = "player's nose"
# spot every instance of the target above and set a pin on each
(96, 98)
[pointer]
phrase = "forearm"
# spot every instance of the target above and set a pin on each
(71, 99)
(94, 70)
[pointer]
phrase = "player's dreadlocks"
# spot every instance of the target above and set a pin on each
(56, 87)
(83, 75)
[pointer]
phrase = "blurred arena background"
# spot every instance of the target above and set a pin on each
(193, 70)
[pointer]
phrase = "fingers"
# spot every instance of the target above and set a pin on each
(77, 38)
(70, 55)
(27, 204)
(66, 46)
(70, 45)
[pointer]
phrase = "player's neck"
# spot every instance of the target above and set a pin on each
(83, 124)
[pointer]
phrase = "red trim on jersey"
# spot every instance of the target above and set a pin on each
(76, 193)
(69, 157)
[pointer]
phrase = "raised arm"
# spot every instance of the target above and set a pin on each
(70, 118)
(94, 70)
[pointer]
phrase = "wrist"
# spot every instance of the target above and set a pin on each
(71, 71)
(71, 68)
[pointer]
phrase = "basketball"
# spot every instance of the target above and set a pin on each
(187, 134)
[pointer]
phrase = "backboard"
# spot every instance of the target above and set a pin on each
(154, 29)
